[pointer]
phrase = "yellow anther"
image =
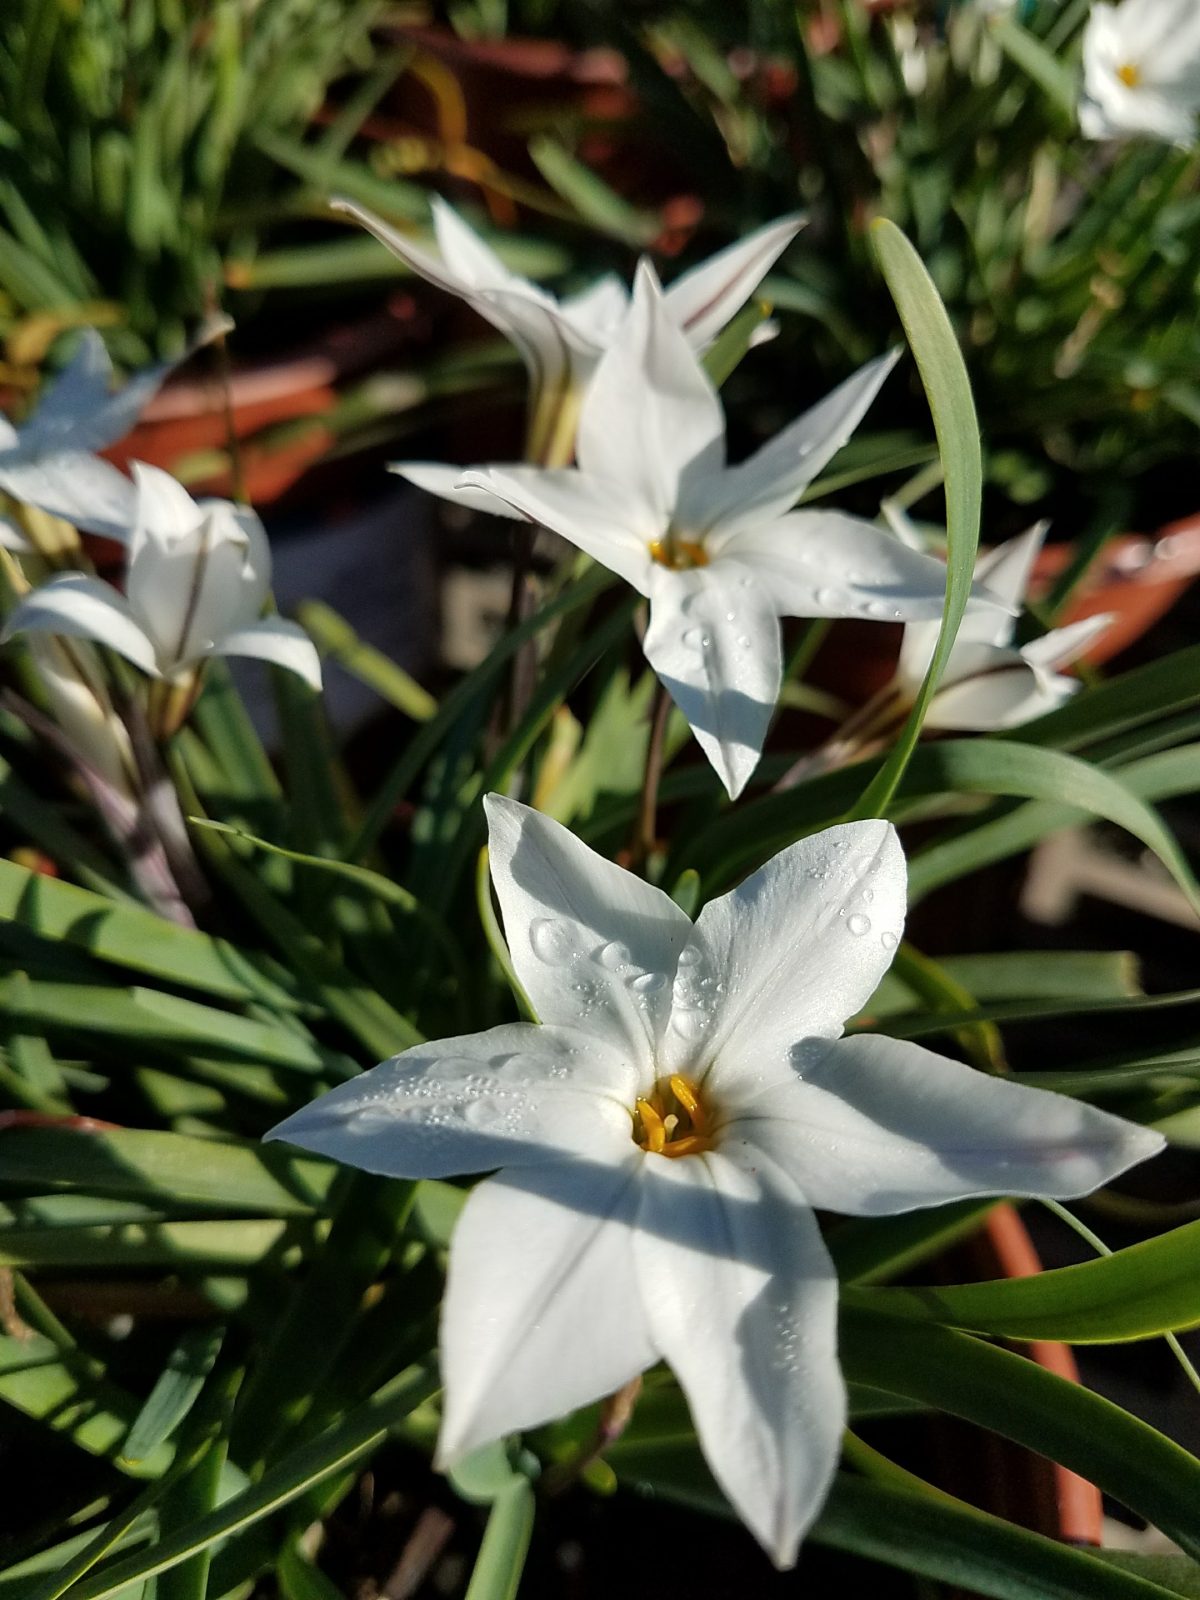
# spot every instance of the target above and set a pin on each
(654, 1133)
(1130, 74)
(673, 1119)
(690, 1101)
(678, 554)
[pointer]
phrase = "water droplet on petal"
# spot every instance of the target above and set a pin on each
(828, 597)
(858, 924)
(731, 616)
(688, 1024)
(551, 941)
(695, 637)
(647, 982)
(689, 956)
(744, 640)
(746, 583)
(888, 941)
(614, 955)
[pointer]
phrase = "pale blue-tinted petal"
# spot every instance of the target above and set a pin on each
(274, 639)
(826, 564)
(542, 1312)
(792, 952)
(770, 481)
(592, 944)
(713, 639)
(446, 483)
(1062, 646)
(703, 299)
(84, 608)
(81, 488)
(517, 1095)
(990, 689)
(874, 1125)
(741, 1300)
(605, 519)
(651, 414)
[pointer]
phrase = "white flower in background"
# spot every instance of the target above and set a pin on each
(663, 1136)
(714, 548)
(50, 462)
(561, 341)
(196, 578)
(1141, 70)
(989, 682)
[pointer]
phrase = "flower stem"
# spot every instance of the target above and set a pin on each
(870, 722)
(646, 827)
(615, 1417)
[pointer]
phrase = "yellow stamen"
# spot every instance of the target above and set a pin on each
(678, 554)
(1130, 74)
(689, 1100)
(673, 1119)
(653, 1129)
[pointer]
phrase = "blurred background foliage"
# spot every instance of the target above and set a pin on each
(155, 156)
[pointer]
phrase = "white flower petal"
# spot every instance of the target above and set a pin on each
(606, 520)
(593, 945)
(650, 413)
(1005, 572)
(274, 639)
(597, 311)
(800, 946)
(1062, 646)
(82, 489)
(713, 639)
(703, 299)
(467, 257)
(542, 1312)
(826, 564)
(771, 480)
(446, 483)
(874, 1126)
(993, 689)
(741, 1299)
(196, 571)
(517, 1095)
(84, 608)
(70, 404)
(427, 264)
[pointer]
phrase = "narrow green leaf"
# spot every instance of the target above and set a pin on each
(935, 348)
(1136, 1293)
(1013, 1396)
(338, 642)
(360, 1433)
(131, 937)
(501, 1560)
(170, 1168)
(954, 1543)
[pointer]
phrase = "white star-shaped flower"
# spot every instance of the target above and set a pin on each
(716, 549)
(989, 683)
(560, 341)
(51, 462)
(1141, 70)
(196, 577)
(664, 1135)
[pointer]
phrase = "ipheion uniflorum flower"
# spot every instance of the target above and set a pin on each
(660, 1141)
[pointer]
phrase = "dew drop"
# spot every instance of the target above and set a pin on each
(551, 941)
(888, 941)
(688, 1024)
(689, 956)
(695, 637)
(744, 641)
(614, 955)
(731, 616)
(878, 608)
(746, 583)
(827, 597)
(647, 982)
(858, 924)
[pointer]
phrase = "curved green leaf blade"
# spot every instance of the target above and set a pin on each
(944, 375)
(1138, 1293)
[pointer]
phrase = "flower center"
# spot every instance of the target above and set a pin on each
(678, 553)
(1130, 74)
(673, 1119)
